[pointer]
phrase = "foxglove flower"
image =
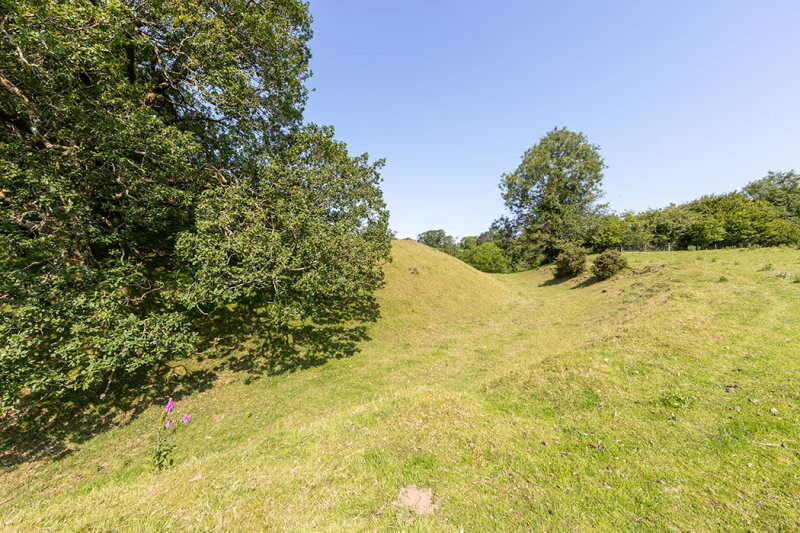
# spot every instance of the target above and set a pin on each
(185, 419)
(170, 405)
(168, 424)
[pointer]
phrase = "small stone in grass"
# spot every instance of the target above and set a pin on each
(774, 411)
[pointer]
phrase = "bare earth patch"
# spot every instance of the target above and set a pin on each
(419, 500)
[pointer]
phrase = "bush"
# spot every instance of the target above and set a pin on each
(487, 257)
(608, 263)
(570, 262)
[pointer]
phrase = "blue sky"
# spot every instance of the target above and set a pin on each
(683, 98)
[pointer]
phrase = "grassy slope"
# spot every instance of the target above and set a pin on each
(642, 402)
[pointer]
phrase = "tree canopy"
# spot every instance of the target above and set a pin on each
(781, 189)
(154, 167)
(555, 189)
(439, 239)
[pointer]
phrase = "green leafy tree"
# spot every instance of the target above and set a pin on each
(781, 189)
(487, 257)
(735, 219)
(638, 234)
(493, 234)
(310, 230)
(553, 192)
(707, 231)
(439, 239)
(467, 243)
(668, 225)
(142, 142)
(610, 233)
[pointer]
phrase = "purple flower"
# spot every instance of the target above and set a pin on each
(185, 418)
(170, 406)
(168, 424)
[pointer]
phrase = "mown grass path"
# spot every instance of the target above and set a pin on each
(663, 399)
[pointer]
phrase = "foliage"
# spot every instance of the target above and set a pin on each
(437, 238)
(467, 243)
(611, 232)
(481, 252)
(668, 226)
(608, 263)
(735, 220)
(553, 191)
(136, 138)
(781, 189)
(486, 257)
(515, 244)
(570, 261)
(493, 234)
(321, 241)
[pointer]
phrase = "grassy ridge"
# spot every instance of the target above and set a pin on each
(642, 402)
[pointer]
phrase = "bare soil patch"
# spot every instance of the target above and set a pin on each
(419, 500)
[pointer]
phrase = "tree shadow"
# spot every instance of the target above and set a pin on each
(227, 343)
(553, 281)
(296, 348)
(53, 430)
(334, 333)
(586, 283)
(559, 281)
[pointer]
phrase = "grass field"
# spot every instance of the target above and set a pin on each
(664, 399)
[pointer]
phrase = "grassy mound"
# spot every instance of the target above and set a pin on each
(664, 398)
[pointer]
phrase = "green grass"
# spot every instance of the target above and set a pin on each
(637, 403)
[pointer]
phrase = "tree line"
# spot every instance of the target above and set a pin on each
(553, 203)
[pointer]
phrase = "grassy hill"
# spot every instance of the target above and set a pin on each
(664, 399)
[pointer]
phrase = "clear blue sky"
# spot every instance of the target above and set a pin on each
(684, 98)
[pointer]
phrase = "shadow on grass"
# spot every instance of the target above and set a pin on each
(558, 281)
(586, 283)
(236, 342)
(54, 429)
(334, 333)
(554, 281)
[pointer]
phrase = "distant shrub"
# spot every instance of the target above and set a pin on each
(487, 257)
(570, 262)
(691, 248)
(608, 263)
(766, 267)
(723, 279)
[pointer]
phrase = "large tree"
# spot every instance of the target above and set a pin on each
(153, 164)
(552, 195)
(781, 189)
